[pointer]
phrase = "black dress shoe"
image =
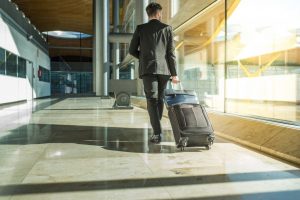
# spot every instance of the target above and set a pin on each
(155, 139)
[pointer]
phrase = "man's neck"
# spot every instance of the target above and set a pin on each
(151, 18)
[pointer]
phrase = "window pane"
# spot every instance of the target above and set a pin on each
(44, 74)
(11, 64)
(2, 61)
(75, 82)
(21, 67)
(263, 59)
(199, 45)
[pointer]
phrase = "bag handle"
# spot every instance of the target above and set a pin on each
(173, 84)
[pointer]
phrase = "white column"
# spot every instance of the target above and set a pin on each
(101, 61)
(116, 46)
(132, 72)
(140, 17)
(140, 11)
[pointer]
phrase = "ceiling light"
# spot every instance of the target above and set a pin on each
(29, 37)
(16, 6)
(58, 33)
(23, 14)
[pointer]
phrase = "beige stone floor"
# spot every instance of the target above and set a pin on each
(80, 148)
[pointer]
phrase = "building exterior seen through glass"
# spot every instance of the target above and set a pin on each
(248, 64)
(263, 65)
(64, 82)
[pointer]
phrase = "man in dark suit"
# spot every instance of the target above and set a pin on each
(153, 45)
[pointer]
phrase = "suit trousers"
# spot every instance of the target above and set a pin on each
(154, 86)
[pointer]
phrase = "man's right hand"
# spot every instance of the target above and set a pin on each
(175, 79)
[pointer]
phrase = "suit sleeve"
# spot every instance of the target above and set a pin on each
(171, 58)
(135, 43)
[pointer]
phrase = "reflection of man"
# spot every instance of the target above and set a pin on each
(152, 44)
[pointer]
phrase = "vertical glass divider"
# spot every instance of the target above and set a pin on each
(225, 57)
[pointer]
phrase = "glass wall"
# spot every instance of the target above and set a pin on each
(263, 63)
(125, 73)
(2, 61)
(12, 65)
(129, 23)
(44, 74)
(21, 67)
(248, 64)
(71, 82)
(199, 40)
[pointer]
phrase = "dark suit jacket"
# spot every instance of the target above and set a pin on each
(152, 43)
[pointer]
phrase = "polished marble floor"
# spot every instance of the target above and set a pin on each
(80, 148)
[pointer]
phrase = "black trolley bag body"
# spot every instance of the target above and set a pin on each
(190, 123)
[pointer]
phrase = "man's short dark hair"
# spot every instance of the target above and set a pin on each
(152, 9)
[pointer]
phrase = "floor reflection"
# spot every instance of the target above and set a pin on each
(82, 145)
(111, 138)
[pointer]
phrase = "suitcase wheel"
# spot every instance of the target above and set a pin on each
(211, 140)
(208, 147)
(183, 142)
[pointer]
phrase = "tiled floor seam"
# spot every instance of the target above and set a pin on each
(25, 175)
(164, 189)
(34, 163)
(54, 102)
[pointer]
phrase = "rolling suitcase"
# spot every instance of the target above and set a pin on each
(190, 123)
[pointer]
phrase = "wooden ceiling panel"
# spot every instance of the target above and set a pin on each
(86, 42)
(70, 52)
(65, 15)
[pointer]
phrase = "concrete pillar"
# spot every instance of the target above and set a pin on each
(140, 11)
(116, 46)
(140, 18)
(94, 47)
(94, 62)
(101, 49)
(107, 48)
(132, 72)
